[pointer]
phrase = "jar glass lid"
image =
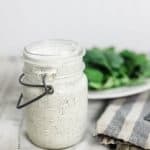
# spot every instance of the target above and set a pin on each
(50, 50)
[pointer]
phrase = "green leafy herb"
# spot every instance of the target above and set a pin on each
(95, 77)
(106, 68)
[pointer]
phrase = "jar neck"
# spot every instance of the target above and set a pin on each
(47, 52)
(57, 71)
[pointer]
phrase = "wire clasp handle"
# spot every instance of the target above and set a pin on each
(48, 90)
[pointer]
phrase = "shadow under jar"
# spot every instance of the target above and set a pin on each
(58, 119)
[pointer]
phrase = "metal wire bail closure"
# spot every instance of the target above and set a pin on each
(48, 90)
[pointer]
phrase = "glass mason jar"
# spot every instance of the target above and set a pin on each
(54, 93)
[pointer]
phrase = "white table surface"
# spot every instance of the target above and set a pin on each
(12, 132)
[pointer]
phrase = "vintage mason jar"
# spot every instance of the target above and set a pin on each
(54, 93)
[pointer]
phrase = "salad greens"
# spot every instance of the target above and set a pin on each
(107, 68)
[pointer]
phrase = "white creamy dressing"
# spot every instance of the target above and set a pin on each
(59, 120)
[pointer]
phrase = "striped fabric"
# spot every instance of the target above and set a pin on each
(123, 124)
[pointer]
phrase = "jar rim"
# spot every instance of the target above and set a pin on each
(44, 52)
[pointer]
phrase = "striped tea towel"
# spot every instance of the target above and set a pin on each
(122, 123)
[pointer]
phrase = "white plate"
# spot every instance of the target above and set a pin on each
(119, 92)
